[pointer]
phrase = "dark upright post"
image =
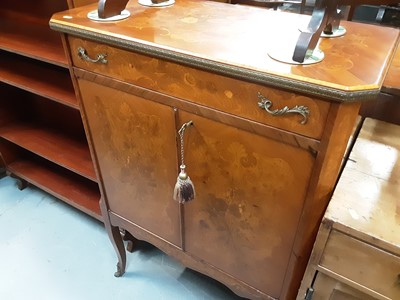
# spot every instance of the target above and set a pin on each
(110, 8)
(325, 11)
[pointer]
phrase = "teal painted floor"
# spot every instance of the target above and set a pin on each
(51, 251)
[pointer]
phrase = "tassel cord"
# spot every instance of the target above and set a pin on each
(181, 133)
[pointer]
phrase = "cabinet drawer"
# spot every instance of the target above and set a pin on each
(362, 263)
(206, 88)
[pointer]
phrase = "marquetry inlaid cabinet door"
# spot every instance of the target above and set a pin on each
(134, 142)
(250, 191)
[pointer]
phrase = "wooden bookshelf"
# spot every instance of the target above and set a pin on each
(42, 139)
(53, 145)
(39, 78)
(59, 183)
(27, 34)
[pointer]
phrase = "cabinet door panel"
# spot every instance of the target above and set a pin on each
(249, 196)
(135, 144)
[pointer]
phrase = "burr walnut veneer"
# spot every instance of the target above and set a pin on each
(266, 144)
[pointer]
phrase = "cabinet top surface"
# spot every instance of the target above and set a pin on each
(235, 40)
(366, 201)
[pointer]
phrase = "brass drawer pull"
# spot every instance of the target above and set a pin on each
(266, 104)
(101, 58)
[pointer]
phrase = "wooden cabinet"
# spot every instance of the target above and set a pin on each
(231, 211)
(264, 150)
(357, 248)
(135, 141)
(42, 140)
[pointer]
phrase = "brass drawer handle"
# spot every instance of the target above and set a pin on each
(266, 104)
(100, 58)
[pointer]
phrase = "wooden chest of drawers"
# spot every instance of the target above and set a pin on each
(264, 150)
(357, 251)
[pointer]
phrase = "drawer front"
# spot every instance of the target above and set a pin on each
(285, 110)
(362, 263)
(326, 287)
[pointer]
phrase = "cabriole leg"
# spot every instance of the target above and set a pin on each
(116, 239)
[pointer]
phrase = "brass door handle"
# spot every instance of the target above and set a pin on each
(100, 58)
(266, 104)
